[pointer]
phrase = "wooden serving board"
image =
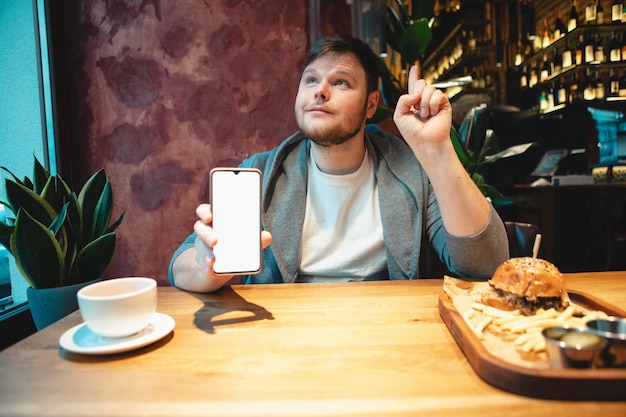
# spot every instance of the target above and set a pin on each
(558, 384)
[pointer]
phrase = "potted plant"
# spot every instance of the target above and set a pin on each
(477, 146)
(61, 241)
(409, 34)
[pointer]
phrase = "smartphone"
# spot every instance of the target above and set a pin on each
(236, 205)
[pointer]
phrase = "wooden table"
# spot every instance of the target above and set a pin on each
(354, 349)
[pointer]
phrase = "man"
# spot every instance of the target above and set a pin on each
(343, 203)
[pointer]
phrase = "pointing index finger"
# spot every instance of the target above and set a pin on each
(414, 74)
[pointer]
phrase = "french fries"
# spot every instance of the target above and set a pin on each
(525, 331)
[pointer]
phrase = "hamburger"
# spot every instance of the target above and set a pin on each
(527, 284)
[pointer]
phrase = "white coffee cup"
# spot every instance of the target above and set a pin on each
(118, 307)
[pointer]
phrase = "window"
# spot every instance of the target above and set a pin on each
(26, 122)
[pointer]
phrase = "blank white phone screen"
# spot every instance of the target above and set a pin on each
(236, 205)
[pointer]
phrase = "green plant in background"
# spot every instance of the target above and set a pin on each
(409, 34)
(59, 238)
(477, 146)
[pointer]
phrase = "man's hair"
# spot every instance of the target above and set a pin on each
(347, 44)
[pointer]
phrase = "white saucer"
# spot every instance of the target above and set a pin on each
(80, 339)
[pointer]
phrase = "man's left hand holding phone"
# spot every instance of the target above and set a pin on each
(234, 219)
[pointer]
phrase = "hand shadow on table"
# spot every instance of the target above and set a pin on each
(223, 302)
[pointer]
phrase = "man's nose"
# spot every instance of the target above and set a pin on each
(322, 91)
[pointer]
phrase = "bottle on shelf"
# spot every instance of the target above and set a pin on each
(519, 55)
(534, 76)
(591, 13)
(615, 50)
(589, 52)
(567, 57)
(488, 75)
(572, 22)
(559, 27)
(573, 95)
(550, 96)
(598, 86)
(579, 52)
(613, 90)
(482, 83)
(545, 69)
(537, 42)
(546, 40)
(589, 92)
(543, 101)
(599, 55)
(471, 41)
(560, 95)
(523, 79)
(623, 45)
(488, 30)
(528, 48)
(617, 8)
(622, 84)
(557, 63)
(599, 13)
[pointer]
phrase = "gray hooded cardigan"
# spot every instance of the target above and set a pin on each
(409, 213)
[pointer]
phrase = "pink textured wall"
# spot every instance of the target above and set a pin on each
(167, 89)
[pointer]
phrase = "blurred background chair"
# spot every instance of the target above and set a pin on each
(521, 238)
(607, 231)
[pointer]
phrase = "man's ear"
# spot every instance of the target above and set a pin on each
(372, 103)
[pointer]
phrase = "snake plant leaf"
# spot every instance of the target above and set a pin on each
(40, 177)
(74, 220)
(415, 40)
(56, 192)
(88, 199)
(59, 231)
(114, 225)
(38, 255)
(102, 211)
(57, 223)
(19, 196)
(95, 257)
(14, 178)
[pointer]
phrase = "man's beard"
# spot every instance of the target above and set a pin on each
(337, 135)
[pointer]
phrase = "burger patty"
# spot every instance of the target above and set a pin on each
(528, 306)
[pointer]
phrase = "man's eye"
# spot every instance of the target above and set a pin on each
(310, 81)
(341, 82)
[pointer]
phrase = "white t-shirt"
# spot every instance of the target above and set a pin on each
(342, 238)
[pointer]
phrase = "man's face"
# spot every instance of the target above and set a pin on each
(332, 104)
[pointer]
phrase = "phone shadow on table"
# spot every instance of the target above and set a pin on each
(226, 308)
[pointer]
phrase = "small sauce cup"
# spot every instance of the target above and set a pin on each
(573, 347)
(614, 330)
